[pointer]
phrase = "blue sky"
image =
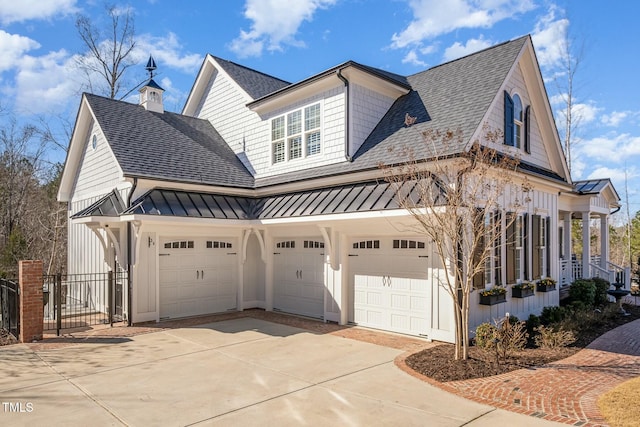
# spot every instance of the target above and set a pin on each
(298, 38)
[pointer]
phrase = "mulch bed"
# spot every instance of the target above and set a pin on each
(6, 338)
(438, 362)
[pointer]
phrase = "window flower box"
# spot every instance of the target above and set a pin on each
(493, 296)
(522, 290)
(546, 285)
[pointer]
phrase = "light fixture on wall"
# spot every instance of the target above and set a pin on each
(151, 242)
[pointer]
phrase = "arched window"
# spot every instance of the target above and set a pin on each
(517, 121)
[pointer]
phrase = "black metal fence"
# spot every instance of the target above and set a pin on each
(79, 300)
(10, 307)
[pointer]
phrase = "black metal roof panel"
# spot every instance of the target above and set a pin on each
(167, 145)
(360, 197)
(109, 205)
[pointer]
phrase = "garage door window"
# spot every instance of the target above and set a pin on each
(289, 244)
(367, 244)
(182, 244)
(310, 244)
(215, 244)
(407, 244)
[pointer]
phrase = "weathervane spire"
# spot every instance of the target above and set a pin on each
(151, 66)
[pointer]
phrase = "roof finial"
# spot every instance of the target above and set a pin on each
(151, 66)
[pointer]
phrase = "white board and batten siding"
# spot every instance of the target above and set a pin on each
(98, 174)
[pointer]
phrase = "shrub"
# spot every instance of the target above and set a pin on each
(512, 336)
(550, 338)
(552, 314)
(486, 334)
(583, 291)
(532, 323)
(602, 286)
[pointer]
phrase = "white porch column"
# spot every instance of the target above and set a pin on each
(568, 244)
(268, 285)
(604, 241)
(586, 245)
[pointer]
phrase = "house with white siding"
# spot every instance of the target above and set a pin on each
(269, 194)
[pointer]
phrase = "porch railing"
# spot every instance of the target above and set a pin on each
(571, 270)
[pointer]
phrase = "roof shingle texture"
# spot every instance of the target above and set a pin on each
(255, 83)
(452, 96)
(167, 146)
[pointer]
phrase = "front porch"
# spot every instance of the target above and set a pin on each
(590, 201)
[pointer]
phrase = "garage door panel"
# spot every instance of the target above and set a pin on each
(299, 277)
(196, 279)
(400, 302)
(391, 288)
(418, 303)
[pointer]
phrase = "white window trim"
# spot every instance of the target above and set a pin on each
(303, 134)
(518, 125)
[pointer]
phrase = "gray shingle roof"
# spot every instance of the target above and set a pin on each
(451, 96)
(255, 83)
(167, 146)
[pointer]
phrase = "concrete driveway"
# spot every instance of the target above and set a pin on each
(239, 372)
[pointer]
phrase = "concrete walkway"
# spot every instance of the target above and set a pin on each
(244, 371)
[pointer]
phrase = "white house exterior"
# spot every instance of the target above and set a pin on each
(266, 194)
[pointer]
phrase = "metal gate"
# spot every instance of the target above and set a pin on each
(10, 307)
(80, 300)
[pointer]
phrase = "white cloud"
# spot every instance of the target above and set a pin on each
(24, 10)
(168, 51)
(611, 148)
(458, 50)
(412, 58)
(548, 38)
(614, 174)
(45, 83)
(12, 48)
(432, 18)
(583, 113)
(616, 118)
(274, 24)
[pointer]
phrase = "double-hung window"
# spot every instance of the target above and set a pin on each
(296, 134)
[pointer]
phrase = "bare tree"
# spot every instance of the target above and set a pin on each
(463, 203)
(572, 54)
(109, 50)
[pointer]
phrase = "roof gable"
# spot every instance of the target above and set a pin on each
(452, 96)
(253, 84)
(167, 146)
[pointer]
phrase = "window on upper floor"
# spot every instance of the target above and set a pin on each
(517, 123)
(296, 134)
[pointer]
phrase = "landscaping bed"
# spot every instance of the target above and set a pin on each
(438, 362)
(6, 338)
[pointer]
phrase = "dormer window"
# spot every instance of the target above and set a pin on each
(296, 135)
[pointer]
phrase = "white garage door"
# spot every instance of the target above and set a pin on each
(390, 286)
(299, 276)
(197, 276)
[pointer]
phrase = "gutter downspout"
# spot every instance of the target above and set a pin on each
(129, 257)
(346, 115)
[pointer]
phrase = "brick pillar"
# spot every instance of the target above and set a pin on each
(31, 302)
